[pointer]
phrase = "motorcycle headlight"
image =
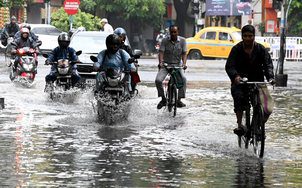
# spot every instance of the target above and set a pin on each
(63, 71)
(113, 82)
(26, 67)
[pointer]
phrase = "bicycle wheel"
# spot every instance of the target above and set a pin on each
(246, 122)
(258, 132)
(174, 95)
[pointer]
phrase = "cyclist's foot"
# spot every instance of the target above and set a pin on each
(161, 104)
(240, 131)
(180, 104)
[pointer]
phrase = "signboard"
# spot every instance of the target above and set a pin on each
(71, 6)
(228, 7)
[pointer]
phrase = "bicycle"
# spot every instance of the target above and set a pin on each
(171, 85)
(255, 125)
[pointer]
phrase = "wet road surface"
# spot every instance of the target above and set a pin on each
(61, 144)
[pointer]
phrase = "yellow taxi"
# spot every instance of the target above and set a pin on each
(214, 42)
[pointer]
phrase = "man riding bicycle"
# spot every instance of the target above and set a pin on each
(172, 52)
(251, 60)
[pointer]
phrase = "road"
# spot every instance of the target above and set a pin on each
(60, 144)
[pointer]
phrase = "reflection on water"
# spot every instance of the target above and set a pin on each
(45, 143)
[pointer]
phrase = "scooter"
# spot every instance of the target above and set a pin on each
(26, 70)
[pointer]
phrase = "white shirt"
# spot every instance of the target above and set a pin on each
(108, 28)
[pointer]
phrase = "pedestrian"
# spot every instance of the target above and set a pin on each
(172, 51)
(105, 26)
(251, 60)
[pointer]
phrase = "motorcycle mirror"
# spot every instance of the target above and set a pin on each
(93, 58)
(38, 43)
(137, 52)
(45, 55)
(79, 52)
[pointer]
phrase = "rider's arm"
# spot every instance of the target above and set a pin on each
(184, 54)
(125, 58)
(161, 52)
(230, 66)
(101, 57)
(53, 55)
(268, 66)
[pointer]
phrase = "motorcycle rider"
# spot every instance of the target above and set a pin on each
(63, 51)
(31, 34)
(23, 41)
(10, 30)
(112, 58)
(121, 32)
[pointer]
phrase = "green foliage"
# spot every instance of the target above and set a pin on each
(144, 11)
(60, 19)
(261, 27)
(11, 3)
(294, 22)
(88, 6)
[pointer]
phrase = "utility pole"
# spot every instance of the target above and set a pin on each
(195, 10)
(281, 79)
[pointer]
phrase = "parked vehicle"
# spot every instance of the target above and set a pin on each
(26, 70)
(48, 34)
(214, 42)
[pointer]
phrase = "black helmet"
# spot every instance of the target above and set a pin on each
(64, 40)
(120, 31)
(113, 43)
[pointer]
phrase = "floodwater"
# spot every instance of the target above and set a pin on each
(46, 143)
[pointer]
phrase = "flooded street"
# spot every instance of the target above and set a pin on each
(62, 144)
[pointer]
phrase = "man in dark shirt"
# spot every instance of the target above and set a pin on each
(10, 30)
(251, 60)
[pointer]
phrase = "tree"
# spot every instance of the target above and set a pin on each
(142, 12)
(181, 7)
(60, 19)
(294, 22)
(11, 3)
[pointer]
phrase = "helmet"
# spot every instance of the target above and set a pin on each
(113, 43)
(64, 40)
(120, 31)
(26, 25)
(13, 18)
(24, 30)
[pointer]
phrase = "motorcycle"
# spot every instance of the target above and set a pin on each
(59, 89)
(114, 93)
(26, 70)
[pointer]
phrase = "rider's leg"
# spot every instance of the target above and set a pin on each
(75, 78)
(182, 90)
(161, 75)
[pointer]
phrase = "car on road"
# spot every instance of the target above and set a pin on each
(48, 34)
(214, 42)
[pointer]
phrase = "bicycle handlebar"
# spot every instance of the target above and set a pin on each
(166, 65)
